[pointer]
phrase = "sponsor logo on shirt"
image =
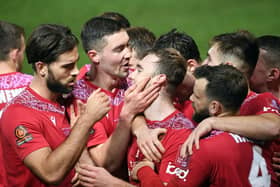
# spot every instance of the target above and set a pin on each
(173, 170)
(22, 135)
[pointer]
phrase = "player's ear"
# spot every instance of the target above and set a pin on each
(191, 65)
(93, 56)
(273, 74)
(13, 54)
(160, 79)
(215, 108)
(41, 68)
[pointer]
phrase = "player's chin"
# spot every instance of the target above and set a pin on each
(123, 74)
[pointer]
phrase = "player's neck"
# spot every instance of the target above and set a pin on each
(160, 108)
(6, 67)
(274, 88)
(40, 87)
(104, 81)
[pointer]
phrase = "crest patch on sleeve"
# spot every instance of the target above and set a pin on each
(22, 135)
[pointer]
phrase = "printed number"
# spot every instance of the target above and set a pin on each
(259, 164)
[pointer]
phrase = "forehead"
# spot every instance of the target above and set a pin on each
(116, 39)
(149, 60)
(200, 85)
(214, 50)
(261, 60)
(68, 56)
(215, 54)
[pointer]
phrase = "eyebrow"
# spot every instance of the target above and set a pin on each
(120, 46)
(139, 66)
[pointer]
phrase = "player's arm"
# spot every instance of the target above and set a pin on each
(265, 126)
(52, 166)
(98, 176)
(147, 139)
(111, 153)
(145, 174)
(261, 127)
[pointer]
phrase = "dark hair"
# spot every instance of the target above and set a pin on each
(47, 42)
(172, 64)
(226, 84)
(117, 17)
(10, 38)
(242, 45)
(271, 45)
(180, 41)
(140, 39)
(94, 31)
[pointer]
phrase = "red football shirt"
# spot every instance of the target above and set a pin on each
(224, 159)
(186, 108)
(261, 103)
(255, 104)
(176, 120)
(11, 84)
(106, 126)
(29, 123)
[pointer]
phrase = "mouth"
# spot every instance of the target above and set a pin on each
(71, 83)
(125, 66)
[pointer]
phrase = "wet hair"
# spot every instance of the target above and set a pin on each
(271, 45)
(241, 45)
(48, 42)
(94, 31)
(172, 64)
(117, 17)
(140, 39)
(180, 41)
(226, 84)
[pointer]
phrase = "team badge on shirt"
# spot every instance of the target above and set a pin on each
(22, 135)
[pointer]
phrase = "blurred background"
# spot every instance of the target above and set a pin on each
(202, 19)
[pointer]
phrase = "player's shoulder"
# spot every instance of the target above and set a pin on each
(179, 135)
(258, 97)
(18, 110)
(217, 139)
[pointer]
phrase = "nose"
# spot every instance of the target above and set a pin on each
(131, 75)
(75, 71)
(127, 52)
(191, 98)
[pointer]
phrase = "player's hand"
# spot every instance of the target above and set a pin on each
(201, 130)
(98, 104)
(95, 176)
(276, 164)
(139, 165)
(137, 98)
(75, 180)
(74, 115)
(149, 143)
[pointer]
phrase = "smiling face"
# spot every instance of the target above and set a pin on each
(114, 57)
(62, 73)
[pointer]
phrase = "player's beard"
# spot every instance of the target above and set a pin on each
(56, 86)
(201, 115)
